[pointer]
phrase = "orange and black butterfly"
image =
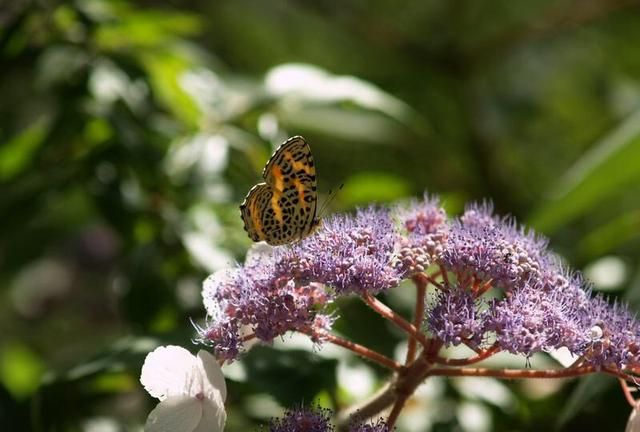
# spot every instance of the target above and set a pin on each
(283, 208)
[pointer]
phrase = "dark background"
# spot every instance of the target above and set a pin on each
(131, 131)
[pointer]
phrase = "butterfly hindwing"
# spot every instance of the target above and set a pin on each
(283, 209)
(253, 210)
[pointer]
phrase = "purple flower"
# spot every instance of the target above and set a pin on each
(612, 335)
(426, 225)
(480, 215)
(378, 426)
(488, 248)
(303, 420)
(424, 217)
(349, 254)
(559, 312)
(455, 319)
(225, 337)
(282, 291)
(257, 298)
(532, 319)
(544, 306)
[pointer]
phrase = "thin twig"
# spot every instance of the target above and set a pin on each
(392, 316)
(627, 393)
(524, 373)
(421, 292)
(360, 350)
(484, 288)
(401, 386)
(406, 386)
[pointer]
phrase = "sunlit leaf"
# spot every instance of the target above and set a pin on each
(373, 187)
(20, 369)
(606, 238)
(165, 72)
(146, 29)
(114, 382)
(312, 84)
(16, 154)
(598, 176)
(301, 84)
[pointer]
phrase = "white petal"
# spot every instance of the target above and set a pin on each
(210, 368)
(167, 371)
(633, 425)
(213, 417)
(175, 414)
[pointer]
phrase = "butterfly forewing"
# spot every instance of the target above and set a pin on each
(283, 209)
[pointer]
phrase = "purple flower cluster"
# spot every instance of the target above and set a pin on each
(544, 306)
(488, 248)
(542, 317)
(537, 305)
(349, 254)
(534, 319)
(427, 229)
(255, 299)
(456, 318)
(377, 426)
(317, 420)
(303, 419)
(285, 290)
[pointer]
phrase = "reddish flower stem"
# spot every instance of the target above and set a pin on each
(627, 393)
(403, 385)
(484, 288)
(392, 316)
(524, 373)
(420, 281)
(435, 283)
(358, 349)
(396, 410)
(482, 355)
(406, 385)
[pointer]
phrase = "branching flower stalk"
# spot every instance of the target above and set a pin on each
(492, 286)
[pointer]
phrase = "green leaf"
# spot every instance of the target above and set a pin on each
(16, 154)
(148, 29)
(20, 369)
(165, 72)
(587, 390)
(373, 187)
(599, 175)
(610, 235)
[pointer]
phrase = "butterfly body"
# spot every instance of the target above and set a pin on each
(283, 208)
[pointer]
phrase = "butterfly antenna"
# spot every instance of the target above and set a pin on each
(332, 194)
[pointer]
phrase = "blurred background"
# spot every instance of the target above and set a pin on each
(131, 131)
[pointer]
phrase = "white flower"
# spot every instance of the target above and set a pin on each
(191, 390)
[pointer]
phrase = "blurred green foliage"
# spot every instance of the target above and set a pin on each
(130, 132)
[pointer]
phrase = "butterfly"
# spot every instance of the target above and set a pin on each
(283, 208)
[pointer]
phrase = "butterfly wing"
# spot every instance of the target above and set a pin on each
(253, 210)
(291, 173)
(259, 216)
